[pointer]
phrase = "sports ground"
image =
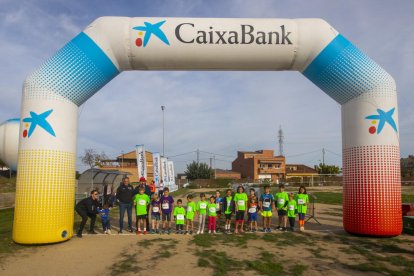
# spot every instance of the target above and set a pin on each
(324, 249)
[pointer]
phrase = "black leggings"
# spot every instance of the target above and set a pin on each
(291, 222)
(179, 227)
(84, 215)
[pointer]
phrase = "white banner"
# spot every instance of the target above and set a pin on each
(141, 161)
(171, 174)
(157, 168)
(164, 171)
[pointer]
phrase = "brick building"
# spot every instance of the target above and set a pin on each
(259, 165)
(225, 174)
(300, 171)
(128, 163)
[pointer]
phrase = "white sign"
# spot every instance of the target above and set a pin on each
(164, 171)
(171, 174)
(157, 168)
(141, 161)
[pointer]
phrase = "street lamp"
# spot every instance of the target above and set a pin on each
(163, 137)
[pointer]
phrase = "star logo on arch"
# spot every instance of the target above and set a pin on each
(36, 120)
(383, 117)
(151, 29)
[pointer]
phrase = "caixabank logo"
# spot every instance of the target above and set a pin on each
(37, 120)
(380, 119)
(150, 29)
(191, 33)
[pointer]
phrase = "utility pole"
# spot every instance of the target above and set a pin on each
(163, 128)
(122, 159)
(323, 156)
(280, 136)
(198, 156)
(214, 165)
(211, 162)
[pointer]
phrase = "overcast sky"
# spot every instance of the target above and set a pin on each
(217, 112)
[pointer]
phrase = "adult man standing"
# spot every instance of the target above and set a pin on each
(124, 195)
(88, 207)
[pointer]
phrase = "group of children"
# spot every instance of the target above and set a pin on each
(163, 209)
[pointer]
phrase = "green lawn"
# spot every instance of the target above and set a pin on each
(7, 185)
(6, 225)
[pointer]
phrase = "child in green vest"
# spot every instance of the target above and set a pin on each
(212, 215)
(240, 200)
(292, 209)
(228, 209)
(141, 201)
(179, 215)
(201, 209)
(281, 200)
(302, 200)
(191, 208)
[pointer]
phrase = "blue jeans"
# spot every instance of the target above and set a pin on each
(122, 208)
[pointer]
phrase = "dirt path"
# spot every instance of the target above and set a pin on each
(323, 249)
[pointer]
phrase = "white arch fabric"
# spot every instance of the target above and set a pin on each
(52, 94)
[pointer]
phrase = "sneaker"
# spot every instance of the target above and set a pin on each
(236, 232)
(198, 232)
(214, 232)
(157, 231)
(278, 228)
(79, 235)
(105, 232)
(284, 229)
(302, 228)
(162, 231)
(130, 230)
(145, 232)
(169, 231)
(191, 232)
(209, 231)
(269, 230)
(264, 230)
(120, 231)
(139, 232)
(109, 232)
(202, 232)
(92, 232)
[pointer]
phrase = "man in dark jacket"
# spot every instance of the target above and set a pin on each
(124, 195)
(88, 207)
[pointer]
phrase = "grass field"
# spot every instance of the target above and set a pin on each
(320, 252)
(7, 185)
(6, 225)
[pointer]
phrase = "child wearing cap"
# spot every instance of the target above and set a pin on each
(179, 215)
(141, 201)
(292, 209)
(228, 209)
(240, 199)
(202, 211)
(266, 205)
(281, 199)
(191, 208)
(302, 200)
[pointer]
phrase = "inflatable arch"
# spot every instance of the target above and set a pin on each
(52, 94)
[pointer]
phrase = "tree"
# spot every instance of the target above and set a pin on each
(198, 171)
(93, 159)
(327, 169)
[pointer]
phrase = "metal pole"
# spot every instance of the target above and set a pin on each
(163, 129)
(198, 156)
